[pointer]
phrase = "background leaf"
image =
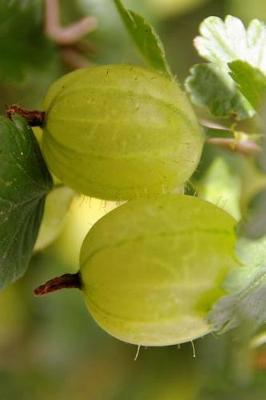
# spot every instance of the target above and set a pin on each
(24, 182)
(210, 86)
(251, 81)
(145, 37)
(254, 224)
(221, 43)
(221, 187)
(245, 305)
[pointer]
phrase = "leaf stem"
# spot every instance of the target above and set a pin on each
(244, 147)
(66, 281)
(33, 117)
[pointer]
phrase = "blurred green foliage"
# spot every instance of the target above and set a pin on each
(23, 46)
(50, 349)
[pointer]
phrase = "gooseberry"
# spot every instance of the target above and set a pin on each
(120, 132)
(152, 269)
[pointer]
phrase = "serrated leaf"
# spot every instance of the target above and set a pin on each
(246, 307)
(222, 42)
(24, 183)
(251, 81)
(211, 86)
(145, 38)
(245, 303)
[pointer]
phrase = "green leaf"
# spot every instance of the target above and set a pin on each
(220, 43)
(145, 38)
(210, 86)
(251, 81)
(24, 183)
(245, 304)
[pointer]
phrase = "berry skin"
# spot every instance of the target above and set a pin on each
(120, 132)
(151, 270)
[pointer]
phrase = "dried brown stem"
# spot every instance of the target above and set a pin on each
(244, 147)
(66, 281)
(33, 117)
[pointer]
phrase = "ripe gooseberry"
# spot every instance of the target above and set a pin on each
(152, 269)
(119, 132)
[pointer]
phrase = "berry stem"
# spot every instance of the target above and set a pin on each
(66, 281)
(33, 117)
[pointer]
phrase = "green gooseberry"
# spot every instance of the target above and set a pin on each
(120, 132)
(152, 269)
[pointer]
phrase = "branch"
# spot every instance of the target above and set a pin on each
(64, 36)
(244, 147)
(67, 37)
